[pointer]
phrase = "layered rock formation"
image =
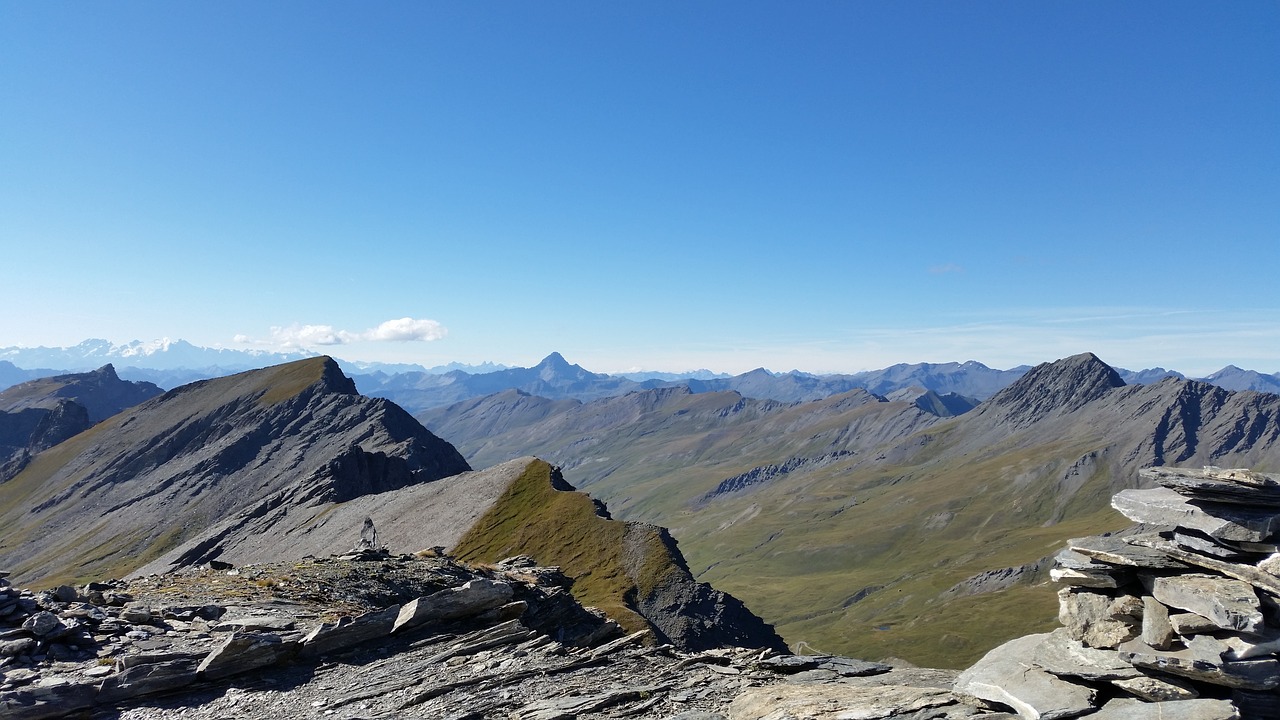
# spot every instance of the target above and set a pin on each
(1179, 617)
(38, 414)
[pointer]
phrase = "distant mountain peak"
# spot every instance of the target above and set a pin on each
(1061, 386)
(555, 359)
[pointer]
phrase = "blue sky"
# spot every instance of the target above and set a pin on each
(820, 185)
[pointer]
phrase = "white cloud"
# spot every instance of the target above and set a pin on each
(298, 337)
(406, 329)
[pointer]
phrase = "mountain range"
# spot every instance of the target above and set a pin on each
(276, 464)
(169, 363)
(868, 526)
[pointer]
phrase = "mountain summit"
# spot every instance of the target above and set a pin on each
(1051, 388)
(141, 482)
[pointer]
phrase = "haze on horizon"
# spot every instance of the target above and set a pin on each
(831, 187)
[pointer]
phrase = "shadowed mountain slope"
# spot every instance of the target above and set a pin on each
(38, 414)
(869, 527)
(141, 482)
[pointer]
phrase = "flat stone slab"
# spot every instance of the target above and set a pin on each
(1060, 654)
(1009, 675)
(1126, 709)
(1202, 660)
(841, 666)
(1162, 506)
(1117, 551)
(243, 652)
(1230, 604)
(836, 702)
(348, 632)
(1219, 485)
(472, 597)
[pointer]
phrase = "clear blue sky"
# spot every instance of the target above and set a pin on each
(829, 186)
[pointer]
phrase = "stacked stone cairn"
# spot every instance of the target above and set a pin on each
(1178, 617)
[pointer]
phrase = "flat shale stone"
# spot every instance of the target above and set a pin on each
(1202, 660)
(246, 651)
(1230, 604)
(1157, 689)
(1060, 654)
(1008, 675)
(148, 678)
(348, 632)
(1162, 506)
(1125, 709)
(472, 597)
(1237, 485)
(835, 701)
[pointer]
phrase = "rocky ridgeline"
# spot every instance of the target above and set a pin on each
(1178, 618)
(369, 635)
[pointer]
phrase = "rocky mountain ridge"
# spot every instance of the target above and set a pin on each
(40, 413)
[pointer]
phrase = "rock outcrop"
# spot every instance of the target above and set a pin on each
(404, 637)
(1179, 618)
(38, 414)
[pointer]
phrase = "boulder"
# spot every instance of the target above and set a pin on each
(474, 596)
(1162, 506)
(1096, 620)
(245, 651)
(348, 632)
(1008, 675)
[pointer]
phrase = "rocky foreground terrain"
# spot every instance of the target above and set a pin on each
(370, 635)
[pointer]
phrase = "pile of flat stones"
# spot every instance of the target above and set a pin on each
(1179, 617)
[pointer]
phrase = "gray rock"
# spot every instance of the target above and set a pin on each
(1126, 709)
(1060, 654)
(1157, 631)
(1239, 571)
(1008, 675)
(18, 646)
(1157, 689)
(148, 678)
(47, 698)
(1116, 551)
(136, 614)
(1095, 619)
(1185, 624)
(1202, 660)
(839, 666)
(258, 623)
(43, 624)
(348, 632)
(830, 702)
(472, 597)
(243, 652)
(1230, 604)
(1219, 485)
(1161, 506)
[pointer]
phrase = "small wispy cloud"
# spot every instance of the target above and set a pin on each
(945, 269)
(298, 336)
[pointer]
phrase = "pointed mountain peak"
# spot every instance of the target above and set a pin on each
(554, 360)
(1062, 386)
